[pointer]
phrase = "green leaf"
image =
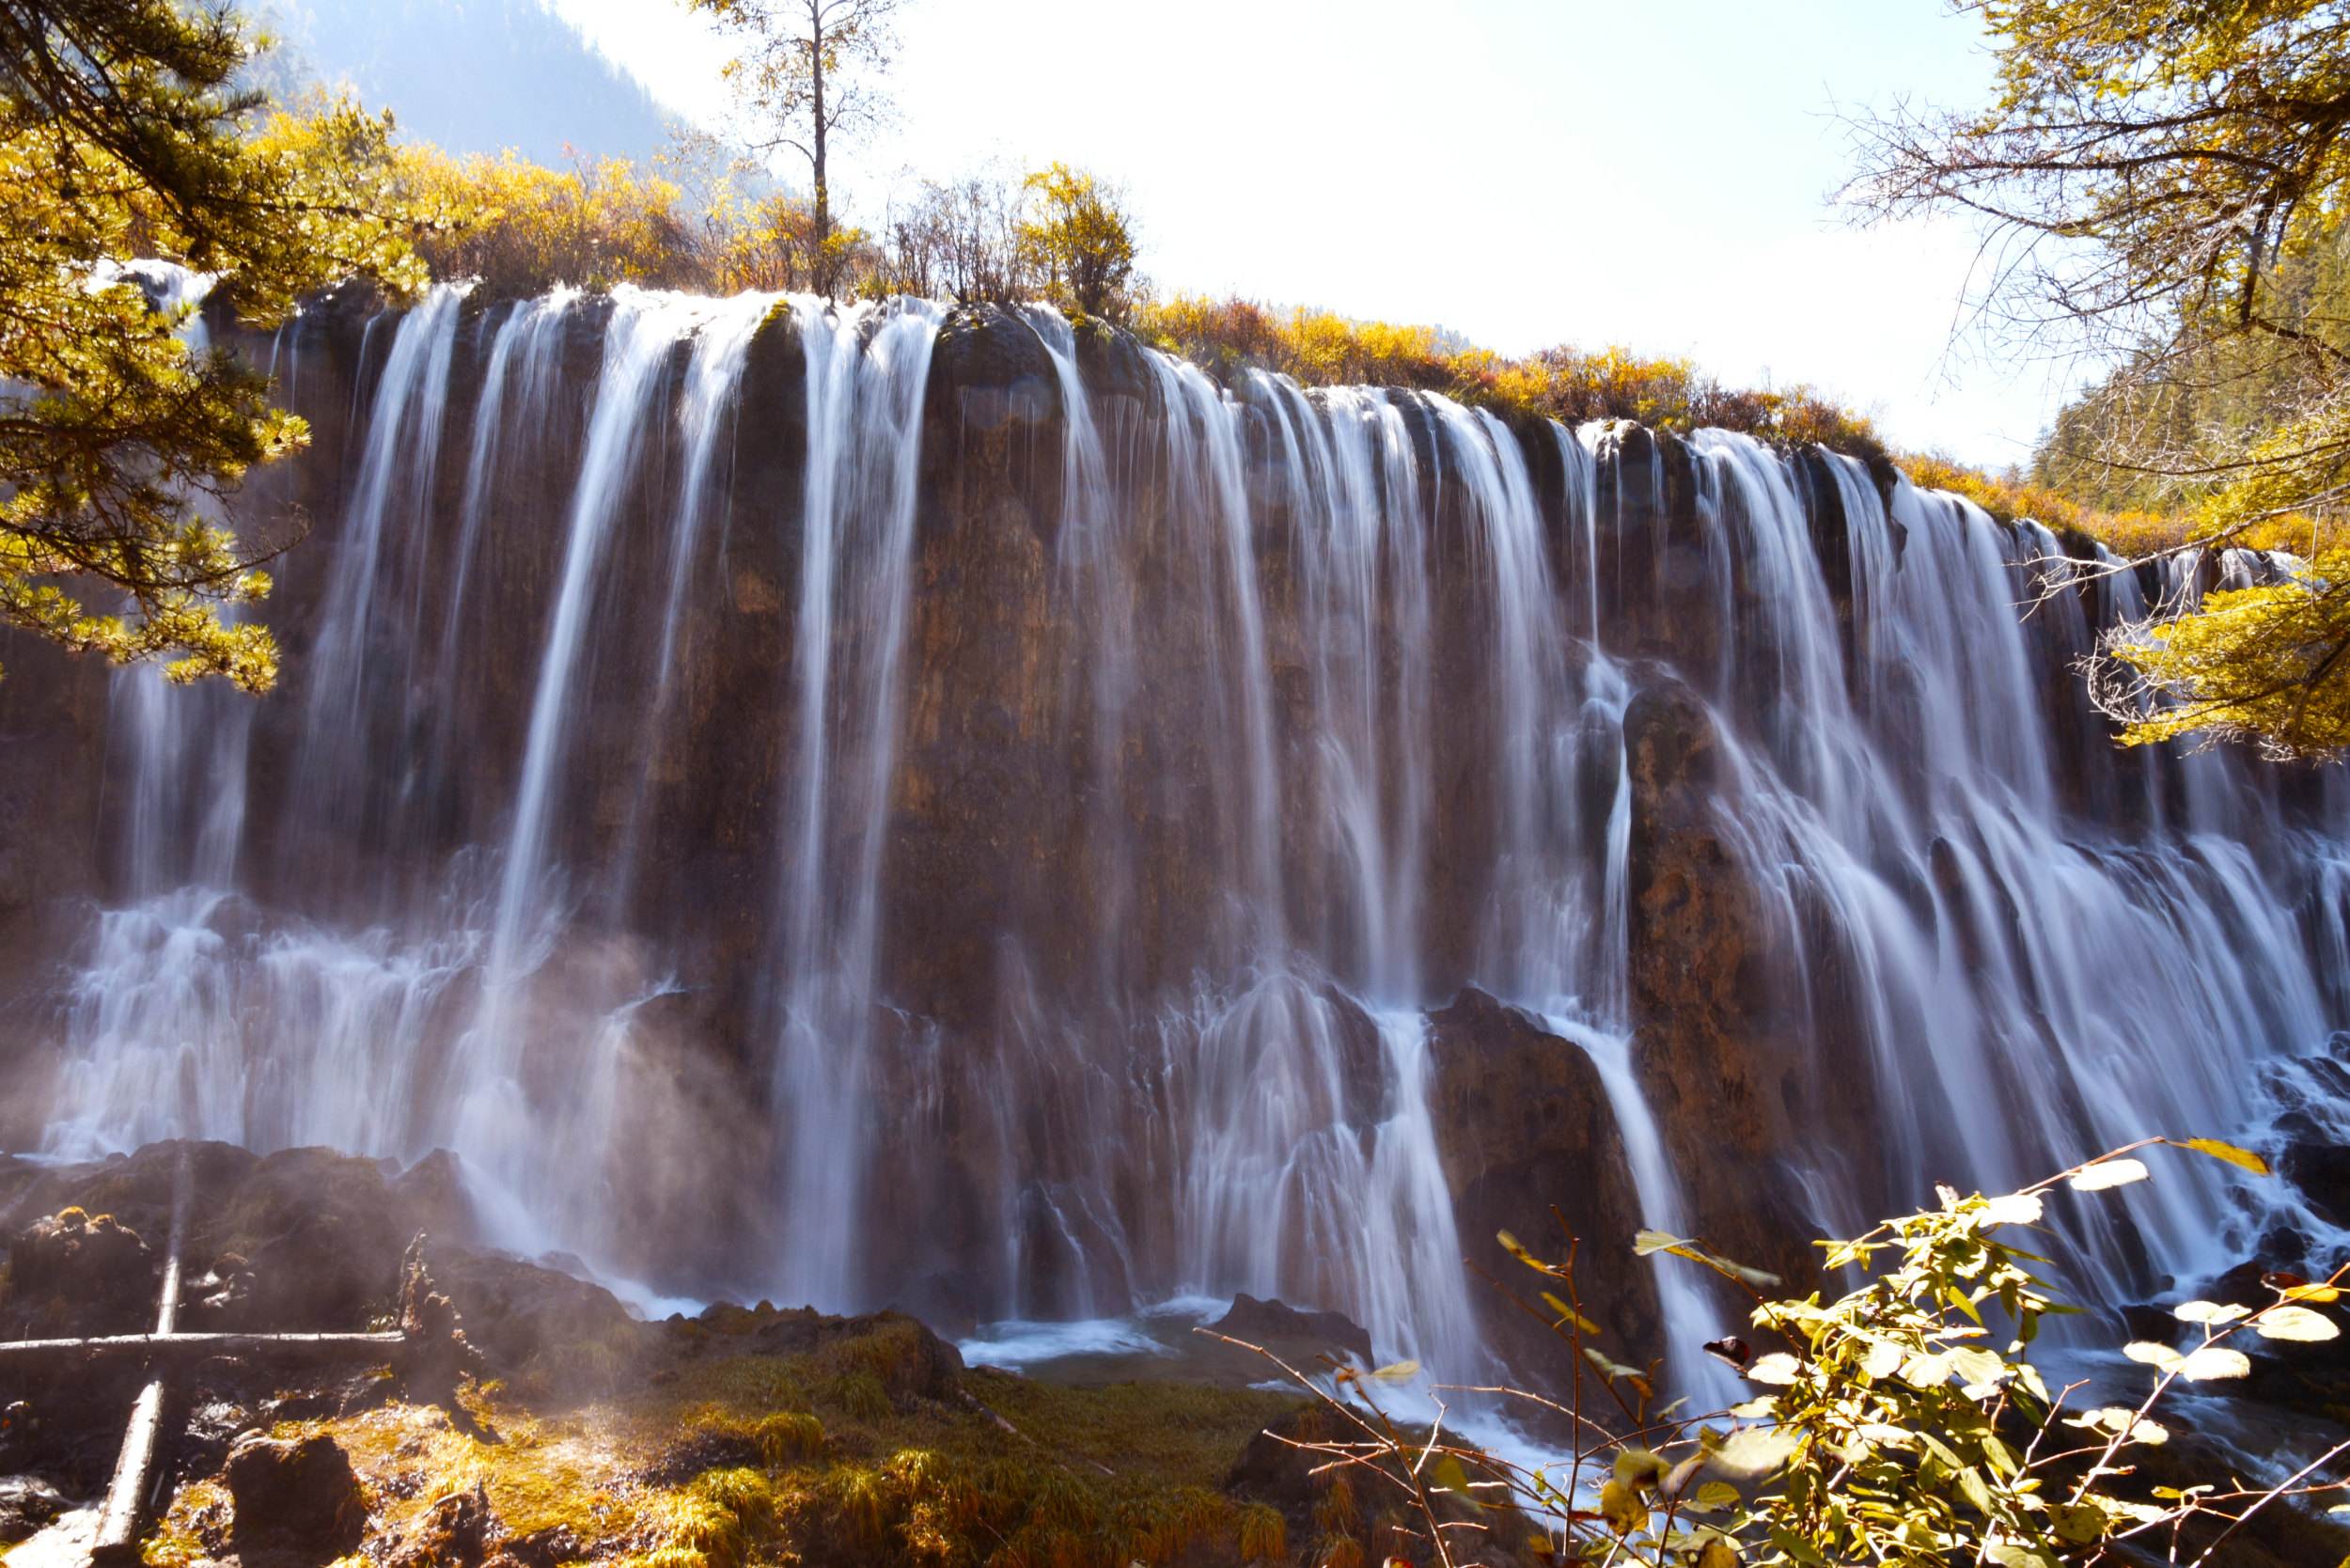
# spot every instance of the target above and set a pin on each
(1717, 1494)
(2159, 1356)
(2208, 1311)
(2294, 1323)
(1797, 1550)
(1613, 1369)
(2014, 1208)
(2115, 1418)
(1396, 1371)
(1649, 1242)
(1677, 1479)
(1971, 1487)
(1755, 1451)
(2109, 1173)
(2228, 1151)
(1979, 1367)
(1777, 1368)
(2079, 1522)
(1637, 1466)
(2214, 1362)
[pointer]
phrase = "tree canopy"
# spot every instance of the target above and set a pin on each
(806, 74)
(2162, 181)
(121, 135)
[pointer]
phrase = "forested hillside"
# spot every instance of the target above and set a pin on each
(470, 76)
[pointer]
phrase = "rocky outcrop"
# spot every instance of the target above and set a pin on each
(295, 1495)
(1531, 1146)
(301, 1239)
(1268, 1322)
(1731, 1065)
(89, 1268)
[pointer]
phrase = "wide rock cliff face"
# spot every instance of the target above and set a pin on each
(952, 810)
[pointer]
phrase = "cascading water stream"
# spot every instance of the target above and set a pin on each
(868, 369)
(1290, 715)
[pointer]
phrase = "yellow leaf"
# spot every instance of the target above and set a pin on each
(2227, 1152)
(1621, 1508)
(1637, 1466)
(1568, 1314)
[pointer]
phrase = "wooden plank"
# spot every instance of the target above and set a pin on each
(117, 1538)
(126, 1496)
(179, 1348)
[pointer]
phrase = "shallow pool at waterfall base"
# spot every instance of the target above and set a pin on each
(1098, 1349)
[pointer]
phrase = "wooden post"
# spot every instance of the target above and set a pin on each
(127, 1495)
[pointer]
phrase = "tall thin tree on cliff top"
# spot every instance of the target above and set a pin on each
(120, 137)
(805, 77)
(2148, 172)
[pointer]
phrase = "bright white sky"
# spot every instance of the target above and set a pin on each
(1525, 172)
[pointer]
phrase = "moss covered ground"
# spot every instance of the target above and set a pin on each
(705, 1449)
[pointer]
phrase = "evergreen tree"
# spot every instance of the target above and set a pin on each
(123, 134)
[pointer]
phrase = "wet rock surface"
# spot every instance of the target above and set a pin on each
(298, 1497)
(303, 1239)
(1734, 1068)
(1528, 1138)
(77, 1266)
(1266, 1322)
(26, 1503)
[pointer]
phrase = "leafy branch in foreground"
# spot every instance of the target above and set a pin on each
(1901, 1424)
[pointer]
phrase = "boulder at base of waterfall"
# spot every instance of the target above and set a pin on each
(296, 1497)
(89, 1268)
(2321, 1171)
(1528, 1138)
(1263, 1322)
(527, 1319)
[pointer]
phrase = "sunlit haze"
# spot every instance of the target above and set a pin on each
(1523, 173)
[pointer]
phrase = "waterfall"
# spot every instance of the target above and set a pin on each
(867, 371)
(878, 803)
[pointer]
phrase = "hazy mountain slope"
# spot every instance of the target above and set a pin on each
(472, 75)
